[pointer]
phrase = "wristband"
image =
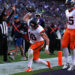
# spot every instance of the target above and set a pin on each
(47, 47)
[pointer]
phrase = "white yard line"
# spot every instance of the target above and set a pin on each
(16, 67)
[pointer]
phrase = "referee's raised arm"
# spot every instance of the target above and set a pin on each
(3, 12)
(13, 10)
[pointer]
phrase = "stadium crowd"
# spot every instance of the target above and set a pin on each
(37, 22)
(50, 11)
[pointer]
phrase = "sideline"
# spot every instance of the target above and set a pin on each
(16, 67)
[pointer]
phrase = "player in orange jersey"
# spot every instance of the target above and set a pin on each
(37, 36)
(69, 34)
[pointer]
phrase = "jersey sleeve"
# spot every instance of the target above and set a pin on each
(40, 29)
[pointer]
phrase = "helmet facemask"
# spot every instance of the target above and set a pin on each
(33, 24)
(69, 4)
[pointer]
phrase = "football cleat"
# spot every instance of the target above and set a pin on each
(72, 67)
(28, 70)
(49, 65)
(66, 66)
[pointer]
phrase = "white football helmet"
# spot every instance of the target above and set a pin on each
(70, 3)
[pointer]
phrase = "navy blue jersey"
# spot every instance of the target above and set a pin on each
(20, 27)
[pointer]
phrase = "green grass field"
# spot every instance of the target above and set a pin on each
(42, 55)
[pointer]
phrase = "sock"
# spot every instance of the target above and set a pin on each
(30, 57)
(66, 53)
(41, 61)
(73, 56)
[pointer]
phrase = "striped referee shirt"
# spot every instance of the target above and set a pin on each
(4, 28)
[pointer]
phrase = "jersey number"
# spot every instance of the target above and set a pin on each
(71, 21)
(32, 36)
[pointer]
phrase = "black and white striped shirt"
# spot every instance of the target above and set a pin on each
(4, 28)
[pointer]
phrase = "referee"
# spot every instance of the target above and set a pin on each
(4, 33)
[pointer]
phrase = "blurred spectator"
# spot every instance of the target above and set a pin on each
(18, 33)
(40, 20)
(51, 31)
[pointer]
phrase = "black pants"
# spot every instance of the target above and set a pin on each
(52, 45)
(4, 47)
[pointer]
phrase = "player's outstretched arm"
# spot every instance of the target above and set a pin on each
(27, 17)
(13, 10)
(45, 37)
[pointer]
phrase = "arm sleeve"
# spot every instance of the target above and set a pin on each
(40, 30)
(1, 16)
(8, 19)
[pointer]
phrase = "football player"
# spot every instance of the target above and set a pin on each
(36, 36)
(69, 34)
